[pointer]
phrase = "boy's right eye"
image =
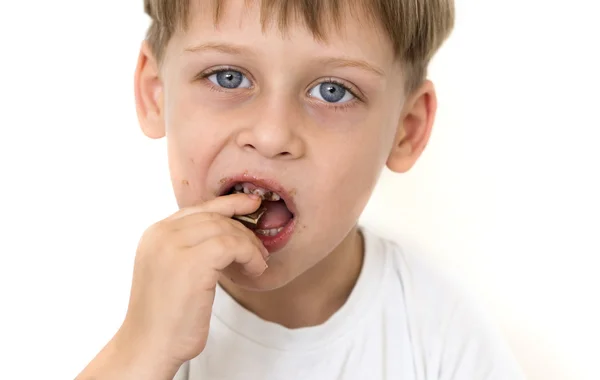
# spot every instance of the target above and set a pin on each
(229, 79)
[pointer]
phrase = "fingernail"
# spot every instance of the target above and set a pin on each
(254, 196)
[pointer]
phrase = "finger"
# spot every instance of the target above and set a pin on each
(227, 205)
(196, 219)
(196, 224)
(220, 252)
(195, 234)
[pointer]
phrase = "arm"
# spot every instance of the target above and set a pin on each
(177, 266)
(119, 360)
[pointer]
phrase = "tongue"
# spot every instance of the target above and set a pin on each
(277, 215)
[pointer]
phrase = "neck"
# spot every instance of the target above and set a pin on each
(313, 297)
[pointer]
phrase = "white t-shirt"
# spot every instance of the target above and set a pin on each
(402, 321)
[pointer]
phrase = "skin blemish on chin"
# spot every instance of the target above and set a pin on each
(185, 182)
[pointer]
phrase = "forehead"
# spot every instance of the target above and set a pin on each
(266, 30)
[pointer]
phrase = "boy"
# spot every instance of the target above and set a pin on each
(288, 111)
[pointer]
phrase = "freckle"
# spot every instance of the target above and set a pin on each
(222, 181)
(192, 159)
(293, 192)
(185, 182)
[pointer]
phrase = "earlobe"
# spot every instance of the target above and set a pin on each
(414, 129)
(149, 94)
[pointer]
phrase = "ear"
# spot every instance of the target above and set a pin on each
(149, 94)
(414, 128)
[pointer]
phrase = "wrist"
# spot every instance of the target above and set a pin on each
(141, 360)
(124, 358)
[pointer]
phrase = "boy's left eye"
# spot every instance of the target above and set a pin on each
(331, 92)
(230, 79)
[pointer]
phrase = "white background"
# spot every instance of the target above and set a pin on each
(506, 196)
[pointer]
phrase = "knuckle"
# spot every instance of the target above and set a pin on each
(151, 236)
(158, 238)
(158, 229)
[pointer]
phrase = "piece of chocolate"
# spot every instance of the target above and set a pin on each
(251, 219)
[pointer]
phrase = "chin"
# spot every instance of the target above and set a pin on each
(271, 279)
(259, 284)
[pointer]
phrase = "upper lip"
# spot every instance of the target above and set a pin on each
(268, 184)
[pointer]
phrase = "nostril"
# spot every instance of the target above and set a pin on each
(264, 152)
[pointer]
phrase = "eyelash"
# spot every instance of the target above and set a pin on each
(335, 106)
(204, 77)
(351, 89)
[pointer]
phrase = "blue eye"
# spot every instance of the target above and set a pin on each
(331, 92)
(230, 79)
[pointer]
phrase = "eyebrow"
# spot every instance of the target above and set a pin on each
(219, 47)
(241, 50)
(344, 62)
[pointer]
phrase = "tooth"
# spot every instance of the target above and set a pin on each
(275, 231)
(265, 194)
(270, 232)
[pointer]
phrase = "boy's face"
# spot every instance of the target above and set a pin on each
(319, 119)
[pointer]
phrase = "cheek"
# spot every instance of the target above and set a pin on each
(358, 178)
(191, 147)
(350, 175)
(343, 122)
(186, 174)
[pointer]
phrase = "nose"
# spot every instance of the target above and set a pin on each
(273, 132)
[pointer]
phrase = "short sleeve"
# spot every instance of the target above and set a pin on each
(474, 349)
(451, 336)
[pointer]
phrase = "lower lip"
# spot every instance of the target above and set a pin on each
(277, 242)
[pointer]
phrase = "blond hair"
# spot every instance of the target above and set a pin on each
(417, 28)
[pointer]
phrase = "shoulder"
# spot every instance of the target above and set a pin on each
(448, 326)
(425, 286)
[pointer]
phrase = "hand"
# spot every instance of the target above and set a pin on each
(177, 266)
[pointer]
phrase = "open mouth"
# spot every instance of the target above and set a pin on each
(274, 221)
